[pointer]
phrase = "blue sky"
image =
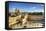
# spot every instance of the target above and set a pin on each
(26, 7)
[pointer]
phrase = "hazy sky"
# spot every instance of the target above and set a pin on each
(26, 7)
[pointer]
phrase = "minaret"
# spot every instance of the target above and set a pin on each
(17, 11)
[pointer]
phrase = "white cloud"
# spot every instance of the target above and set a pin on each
(33, 7)
(40, 10)
(42, 5)
(12, 10)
